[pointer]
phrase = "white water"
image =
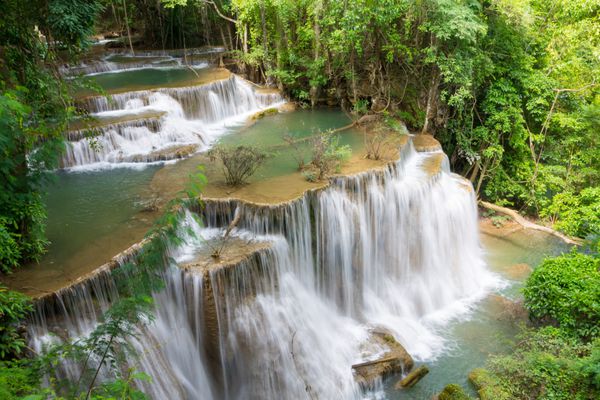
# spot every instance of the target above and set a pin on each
(397, 249)
(193, 115)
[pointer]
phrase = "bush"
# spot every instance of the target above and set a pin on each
(17, 380)
(14, 307)
(565, 291)
(576, 214)
(546, 364)
(327, 154)
(239, 162)
(379, 142)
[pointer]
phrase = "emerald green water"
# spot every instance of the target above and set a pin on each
(85, 206)
(126, 59)
(148, 78)
(268, 132)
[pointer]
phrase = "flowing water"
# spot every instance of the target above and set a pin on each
(395, 248)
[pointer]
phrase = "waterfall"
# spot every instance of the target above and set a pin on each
(196, 57)
(396, 249)
(189, 119)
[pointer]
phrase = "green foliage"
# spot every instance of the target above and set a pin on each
(488, 385)
(14, 307)
(546, 364)
(576, 214)
(35, 106)
(17, 379)
(239, 162)
(565, 291)
(453, 392)
(72, 22)
(509, 88)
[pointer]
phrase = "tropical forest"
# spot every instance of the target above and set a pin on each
(300, 199)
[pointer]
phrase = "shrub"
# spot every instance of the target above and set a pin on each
(14, 307)
(546, 364)
(327, 154)
(17, 380)
(565, 291)
(576, 214)
(379, 142)
(239, 162)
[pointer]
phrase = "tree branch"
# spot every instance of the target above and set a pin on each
(216, 8)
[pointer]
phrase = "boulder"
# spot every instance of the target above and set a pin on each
(395, 360)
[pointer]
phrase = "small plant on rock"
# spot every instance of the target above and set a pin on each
(239, 162)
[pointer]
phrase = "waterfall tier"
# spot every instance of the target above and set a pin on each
(189, 119)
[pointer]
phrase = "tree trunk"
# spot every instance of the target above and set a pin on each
(432, 100)
(314, 89)
(127, 26)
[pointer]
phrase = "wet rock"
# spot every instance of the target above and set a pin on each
(412, 378)
(426, 143)
(264, 113)
(171, 153)
(395, 360)
(507, 309)
(287, 107)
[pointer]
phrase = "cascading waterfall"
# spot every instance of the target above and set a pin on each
(395, 249)
(188, 116)
(198, 58)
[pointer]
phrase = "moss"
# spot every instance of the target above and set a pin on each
(264, 113)
(453, 392)
(487, 385)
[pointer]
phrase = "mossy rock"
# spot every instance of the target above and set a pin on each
(487, 385)
(453, 392)
(264, 113)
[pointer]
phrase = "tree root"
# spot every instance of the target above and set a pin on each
(530, 225)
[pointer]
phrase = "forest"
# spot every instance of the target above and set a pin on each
(508, 90)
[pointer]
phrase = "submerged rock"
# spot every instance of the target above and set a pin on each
(507, 309)
(518, 271)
